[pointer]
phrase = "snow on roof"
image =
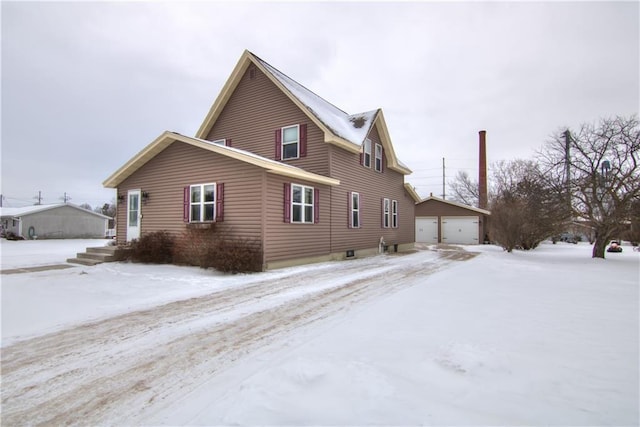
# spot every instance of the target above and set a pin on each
(27, 210)
(353, 128)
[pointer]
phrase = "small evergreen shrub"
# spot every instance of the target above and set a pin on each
(153, 248)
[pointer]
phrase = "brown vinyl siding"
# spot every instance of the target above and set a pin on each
(165, 176)
(373, 187)
(289, 241)
(436, 208)
(253, 113)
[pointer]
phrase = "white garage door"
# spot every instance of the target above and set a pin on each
(461, 230)
(427, 229)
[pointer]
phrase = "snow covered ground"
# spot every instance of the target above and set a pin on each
(547, 337)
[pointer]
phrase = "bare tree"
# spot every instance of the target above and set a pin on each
(107, 209)
(464, 190)
(524, 209)
(86, 206)
(604, 181)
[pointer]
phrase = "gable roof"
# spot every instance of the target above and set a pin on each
(167, 138)
(460, 205)
(28, 210)
(347, 131)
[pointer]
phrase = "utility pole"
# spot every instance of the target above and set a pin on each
(38, 198)
(444, 196)
(66, 198)
(567, 165)
(1, 199)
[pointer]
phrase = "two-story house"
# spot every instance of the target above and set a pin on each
(274, 162)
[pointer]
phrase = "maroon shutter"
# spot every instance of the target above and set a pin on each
(316, 206)
(278, 144)
(362, 156)
(382, 161)
(382, 211)
(220, 202)
(303, 140)
(287, 202)
(227, 142)
(349, 213)
(185, 204)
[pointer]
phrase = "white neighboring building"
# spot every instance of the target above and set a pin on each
(60, 221)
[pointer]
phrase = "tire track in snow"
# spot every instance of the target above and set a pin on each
(116, 369)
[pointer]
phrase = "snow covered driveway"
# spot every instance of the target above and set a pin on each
(116, 370)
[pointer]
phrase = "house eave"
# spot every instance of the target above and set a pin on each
(412, 192)
(167, 138)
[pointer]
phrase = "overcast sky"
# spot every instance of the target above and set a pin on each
(85, 86)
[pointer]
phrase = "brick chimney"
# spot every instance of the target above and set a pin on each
(482, 178)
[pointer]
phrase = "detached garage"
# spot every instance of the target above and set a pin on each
(443, 221)
(61, 221)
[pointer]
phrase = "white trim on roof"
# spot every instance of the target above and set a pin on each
(460, 205)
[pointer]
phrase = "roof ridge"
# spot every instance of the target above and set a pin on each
(297, 83)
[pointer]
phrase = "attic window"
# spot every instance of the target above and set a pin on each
(358, 122)
(378, 159)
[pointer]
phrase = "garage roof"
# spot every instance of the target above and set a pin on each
(460, 205)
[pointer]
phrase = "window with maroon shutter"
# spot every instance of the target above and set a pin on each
(200, 203)
(278, 144)
(289, 147)
(303, 140)
(303, 204)
(219, 202)
(287, 202)
(185, 204)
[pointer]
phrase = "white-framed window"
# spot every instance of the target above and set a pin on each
(220, 141)
(302, 210)
(291, 142)
(366, 153)
(355, 210)
(394, 214)
(202, 202)
(386, 213)
(378, 160)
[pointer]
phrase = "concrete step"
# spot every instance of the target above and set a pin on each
(117, 253)
(84, 261)
(103, 249)
(98, 256)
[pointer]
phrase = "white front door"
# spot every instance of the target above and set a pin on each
(133, 215)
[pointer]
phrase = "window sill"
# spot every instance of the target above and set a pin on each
(200, 225)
